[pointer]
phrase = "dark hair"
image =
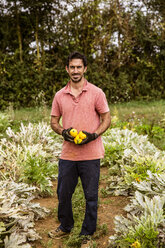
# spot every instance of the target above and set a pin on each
(76, 55)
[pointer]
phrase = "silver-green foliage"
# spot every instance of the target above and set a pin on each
(145, 222)
(129, 156)
(136, 164)
(18, 214)
(30, 154)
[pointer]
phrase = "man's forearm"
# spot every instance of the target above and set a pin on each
(57, 128)
(105, 123)
(55, 125)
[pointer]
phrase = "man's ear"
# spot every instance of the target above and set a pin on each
(66, 68)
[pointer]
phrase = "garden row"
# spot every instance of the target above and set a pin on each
(137, 170)
(28, 164)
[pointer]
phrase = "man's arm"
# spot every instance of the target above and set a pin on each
(55, 124)
(105, 123)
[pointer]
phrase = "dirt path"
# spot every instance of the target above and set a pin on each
(109, 207)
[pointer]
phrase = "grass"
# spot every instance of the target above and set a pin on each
(146, 112)
(147, 118)
(26, 115)
(78, 206)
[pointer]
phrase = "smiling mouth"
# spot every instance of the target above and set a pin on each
(76, 76)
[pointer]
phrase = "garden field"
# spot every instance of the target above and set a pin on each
(131, 206)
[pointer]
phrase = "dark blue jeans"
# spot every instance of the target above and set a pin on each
(69, 172)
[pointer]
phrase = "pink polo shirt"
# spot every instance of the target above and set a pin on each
(81, 113)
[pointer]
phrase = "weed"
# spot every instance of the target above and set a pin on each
(101, 231)
(78, 205)
(104, 192)
(49, 244)
(107, 202)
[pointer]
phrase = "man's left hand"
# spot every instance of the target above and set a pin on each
(90, 137)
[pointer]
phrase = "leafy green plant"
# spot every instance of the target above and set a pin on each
(112, 154)
(129, 157)
(153, 185)
(144, 231)
(37, 171)
(36, 140)
(137, 171)
(144, 218)
(151, 130)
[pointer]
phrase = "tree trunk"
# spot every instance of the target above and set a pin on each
(18, 33)
(37, 40)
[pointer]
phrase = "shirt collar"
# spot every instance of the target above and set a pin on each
(67, 89)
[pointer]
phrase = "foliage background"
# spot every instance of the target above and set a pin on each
(123, 41)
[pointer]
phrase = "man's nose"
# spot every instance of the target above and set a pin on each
(75, 70)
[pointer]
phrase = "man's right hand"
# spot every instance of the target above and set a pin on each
(67, 136)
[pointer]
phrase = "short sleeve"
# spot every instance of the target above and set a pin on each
(101, 103)
(55, 107)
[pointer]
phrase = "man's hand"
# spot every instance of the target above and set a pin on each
(67, 136)
(90, 137)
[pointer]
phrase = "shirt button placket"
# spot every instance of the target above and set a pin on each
(75, 99)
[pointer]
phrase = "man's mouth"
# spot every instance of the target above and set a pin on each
(76, 75)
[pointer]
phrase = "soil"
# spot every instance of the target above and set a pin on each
(109, 207)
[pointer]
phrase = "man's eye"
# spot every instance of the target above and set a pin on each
(73, 67)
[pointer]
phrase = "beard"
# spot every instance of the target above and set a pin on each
(76, 80)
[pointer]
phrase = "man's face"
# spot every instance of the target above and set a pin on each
(76, 70)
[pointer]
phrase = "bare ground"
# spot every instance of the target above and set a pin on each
(109, 207)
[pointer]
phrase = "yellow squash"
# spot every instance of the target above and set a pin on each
(73, 132)
(82, 135)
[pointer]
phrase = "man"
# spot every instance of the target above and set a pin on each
(82, 106)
